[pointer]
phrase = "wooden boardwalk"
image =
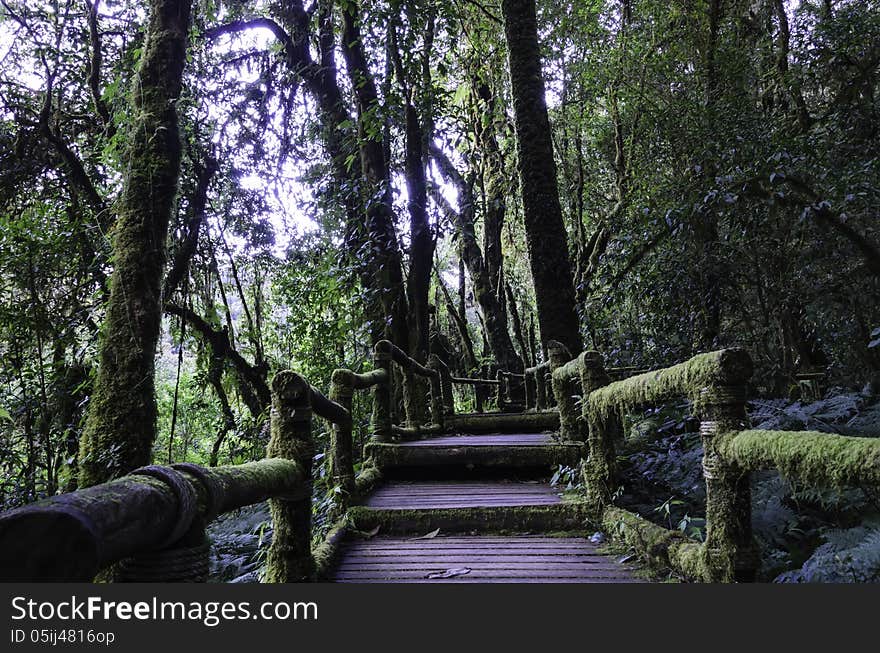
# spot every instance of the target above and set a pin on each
(481, 528)
(478, 559)
(432, 495)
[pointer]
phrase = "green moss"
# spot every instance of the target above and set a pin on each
(121, 421)
(369, 477)
(488, 519)
(723, 367)
(326, 554)
(807, 456)
(661, 547)
(510, 423)
(290, 558)
(392, 455)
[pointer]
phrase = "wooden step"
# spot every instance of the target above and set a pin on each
(427, 495)
(466, 506)
(477, 559)
(491, 450)
(503, 422)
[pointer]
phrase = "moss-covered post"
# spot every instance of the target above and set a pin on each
(541, 387)
(415, 393)
(499, 390)
(290, 557)
(548, 387)
(730, 551)
(599, 468)
(445, 386)
(342, 462)
(529, 383)
(382, 393)
(436, 391)
(559, 355)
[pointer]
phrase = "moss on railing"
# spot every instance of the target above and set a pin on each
(806, 456)
(723, 367)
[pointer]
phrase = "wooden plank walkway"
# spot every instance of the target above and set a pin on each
(488, 440)
(478, 559)
(459, 510)
(427, 495)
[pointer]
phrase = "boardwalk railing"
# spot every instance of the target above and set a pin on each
(150, 524)
(592, 409)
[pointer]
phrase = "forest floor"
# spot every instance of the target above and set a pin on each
(805, 534)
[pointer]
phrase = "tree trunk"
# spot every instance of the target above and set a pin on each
(381, 232)
(121, 423)
(545, 231)
(494, 315)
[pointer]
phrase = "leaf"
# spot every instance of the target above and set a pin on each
(449, 573)
(427, 536)
(372, 533)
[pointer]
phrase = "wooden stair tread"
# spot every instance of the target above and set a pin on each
(427, 495)
(486, 440)
(487, 559)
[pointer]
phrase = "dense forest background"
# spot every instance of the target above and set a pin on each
(354, 170)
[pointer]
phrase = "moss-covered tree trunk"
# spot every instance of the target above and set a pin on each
(121, 423)
(494, 316)
(545, 231)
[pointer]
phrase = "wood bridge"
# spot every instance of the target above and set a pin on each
(440, 496)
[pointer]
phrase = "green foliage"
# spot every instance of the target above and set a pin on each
(847, 556)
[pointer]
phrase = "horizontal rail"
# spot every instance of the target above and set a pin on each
(723, 367)
(325, 407)
(71, 537)
(467, 381)
(369, 379)
(570, 371)
(823, 459)
(405, 361)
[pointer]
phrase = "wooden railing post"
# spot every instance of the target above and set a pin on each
(341, 391)
(529, 383)
(382, 393)
(541, 387)
(446, 386)
(437, 408)
(731, 554)
(499, 390)
(415, 389)
(599, 468)
(290, 557)
(559, 355)
(550, 396)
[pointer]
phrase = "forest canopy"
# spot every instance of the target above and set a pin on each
(194, 195)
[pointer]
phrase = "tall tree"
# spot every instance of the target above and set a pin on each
(121, 423)
(545, 230)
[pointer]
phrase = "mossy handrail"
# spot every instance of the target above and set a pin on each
(418, 420)
(150, 524)
(476, 383)
(343, 384)
(716, 382)
(538, 396)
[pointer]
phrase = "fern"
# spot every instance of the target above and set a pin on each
(847, 556)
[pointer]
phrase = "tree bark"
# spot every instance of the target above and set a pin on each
(545, 230)
(121, 423)
(493, 312)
